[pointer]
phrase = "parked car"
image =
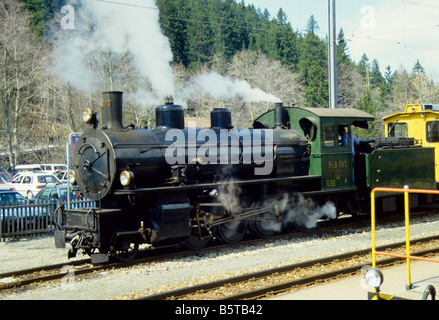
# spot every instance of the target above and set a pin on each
(16, 215)
(6, 185)
(9, 197)
(27, 168)
(56, 192)
(52, 168)
(29, 184)
(62, 176)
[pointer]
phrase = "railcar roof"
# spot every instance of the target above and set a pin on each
(416, 109)
(340, 113)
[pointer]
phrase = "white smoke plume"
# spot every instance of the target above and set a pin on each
(119, 27)
(131, 27)
(217, 86)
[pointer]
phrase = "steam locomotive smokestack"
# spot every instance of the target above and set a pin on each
(112, 110)
(279, 116)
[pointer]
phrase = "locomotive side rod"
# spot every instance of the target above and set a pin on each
(121, 192)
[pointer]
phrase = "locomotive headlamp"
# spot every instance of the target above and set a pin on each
(126, 178)
(71, 177)
(90, 118)
(87, 116)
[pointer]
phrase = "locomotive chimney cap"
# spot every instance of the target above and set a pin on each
(169, 100)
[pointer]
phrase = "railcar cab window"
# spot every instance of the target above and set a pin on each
(329, 132)
(433, 131)
(343, 136)
(336, 133)
(399, 130)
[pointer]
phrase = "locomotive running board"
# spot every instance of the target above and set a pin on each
(122, 192)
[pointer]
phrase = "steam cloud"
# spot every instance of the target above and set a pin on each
(117, 28)
(299, 211)
(219, 87)
(132, 26)
(305, 212)
(295, 209)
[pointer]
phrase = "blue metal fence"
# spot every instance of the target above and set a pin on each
(33, 219)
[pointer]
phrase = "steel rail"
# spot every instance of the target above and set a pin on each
(156, 255)
(253, 294)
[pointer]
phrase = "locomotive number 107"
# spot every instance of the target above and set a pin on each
(338, 164)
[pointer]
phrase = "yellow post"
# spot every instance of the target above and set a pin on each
(407, 235)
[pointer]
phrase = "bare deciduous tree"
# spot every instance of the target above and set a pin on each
(21, 65)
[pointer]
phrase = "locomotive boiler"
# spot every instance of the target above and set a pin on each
(174, 185)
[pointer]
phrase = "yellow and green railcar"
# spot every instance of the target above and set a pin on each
(420, 122)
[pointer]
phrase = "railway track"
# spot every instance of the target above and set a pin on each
(22, 278)
(275, 281)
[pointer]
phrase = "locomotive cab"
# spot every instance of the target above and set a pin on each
(329, 131)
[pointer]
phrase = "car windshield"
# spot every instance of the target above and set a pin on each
(60, 174)
(47, 179)
(55, 193)
(5, 176)
(12, 198)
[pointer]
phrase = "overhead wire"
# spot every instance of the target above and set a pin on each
(377, 38)
(127, 4)
(223, 21)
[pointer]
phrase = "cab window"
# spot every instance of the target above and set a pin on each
(329, 132)
(343, 136)
(432, 131)
(398, 130)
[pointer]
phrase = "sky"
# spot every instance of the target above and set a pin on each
(395, 32)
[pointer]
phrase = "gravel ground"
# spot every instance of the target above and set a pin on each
(153, 277)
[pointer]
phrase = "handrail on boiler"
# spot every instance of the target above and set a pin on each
(406, 191)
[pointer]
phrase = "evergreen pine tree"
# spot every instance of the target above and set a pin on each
(173, 21)
(364, 66)
(418, 69)
(199, 33)
(43, 14)
(343, 56)
(313, 67)
(376, 78)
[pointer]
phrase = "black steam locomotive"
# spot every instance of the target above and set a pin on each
(173, 185)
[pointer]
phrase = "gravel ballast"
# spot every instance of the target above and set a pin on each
(169, 274)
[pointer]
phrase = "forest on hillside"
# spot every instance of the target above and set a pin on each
(235, 42)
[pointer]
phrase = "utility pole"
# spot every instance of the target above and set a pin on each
(332, 63)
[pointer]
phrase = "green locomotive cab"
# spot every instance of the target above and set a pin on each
(329, 132)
